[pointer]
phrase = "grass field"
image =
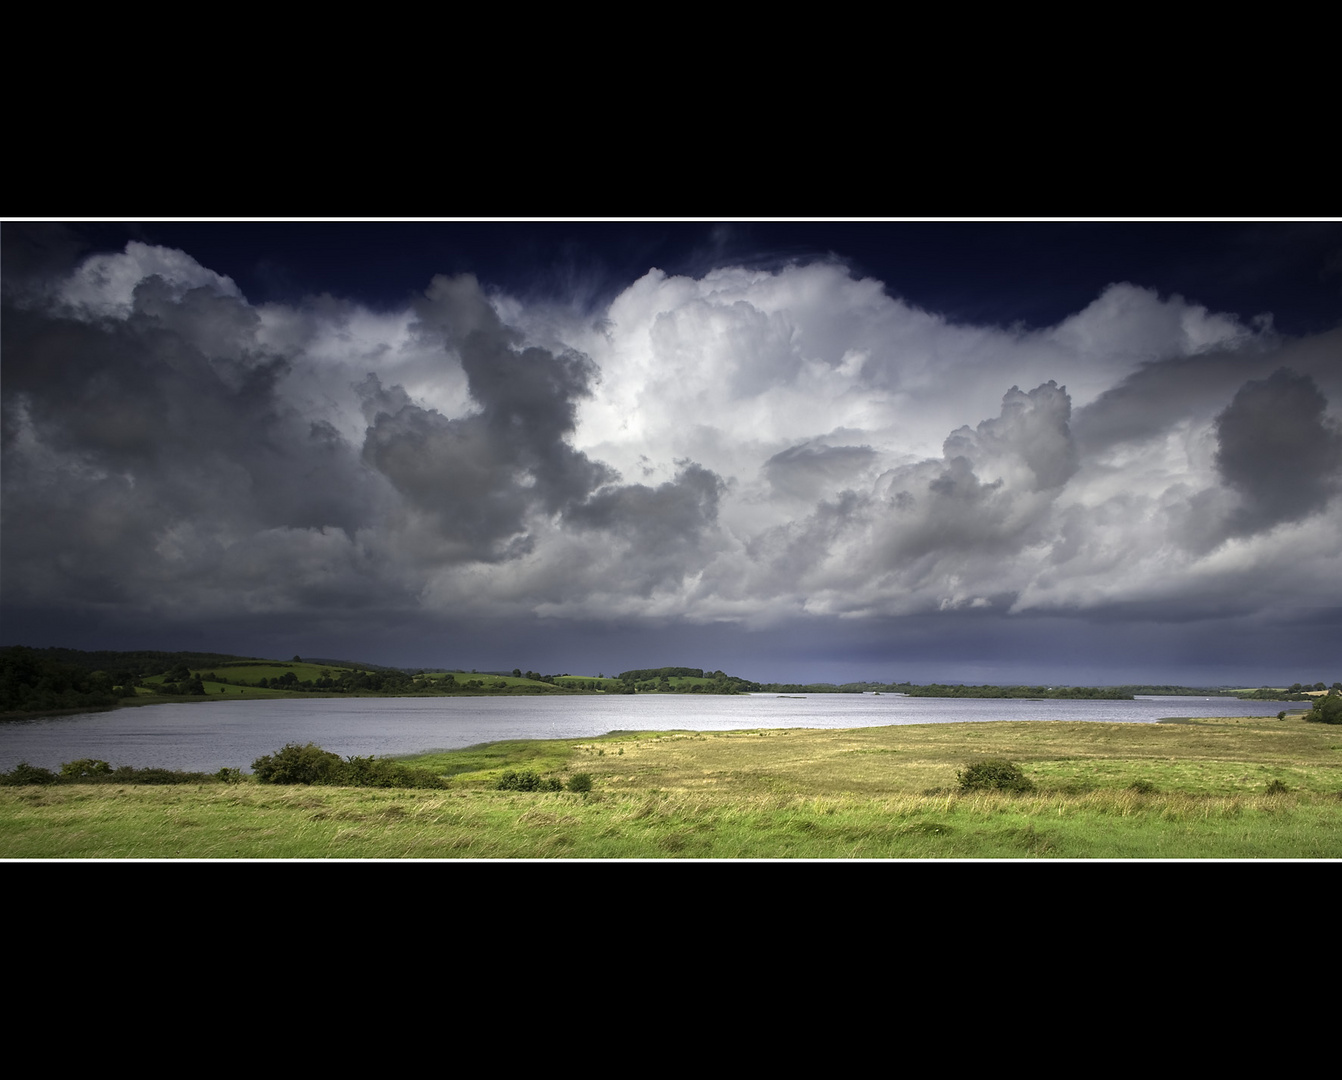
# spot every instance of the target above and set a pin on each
(1195, 789)
(253, 671)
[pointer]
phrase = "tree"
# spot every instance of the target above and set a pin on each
(1326, 710)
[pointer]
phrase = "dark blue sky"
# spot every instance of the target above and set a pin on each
(1004, 272)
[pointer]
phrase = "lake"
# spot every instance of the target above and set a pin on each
(207, 736)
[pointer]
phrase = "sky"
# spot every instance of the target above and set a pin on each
(1085, 452)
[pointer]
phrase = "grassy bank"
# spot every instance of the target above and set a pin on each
(1201, 789)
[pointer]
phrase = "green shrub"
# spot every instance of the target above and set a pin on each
(128, 774)
(581, 782)
(24, 774)
(296, 764)
(1143, 787)
(311, 764)
(993, 774)
(381, 773)
(526, 780)
(229, 776)
(77, 770)
(1276, 787)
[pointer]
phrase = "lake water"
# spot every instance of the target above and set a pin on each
(206, 736)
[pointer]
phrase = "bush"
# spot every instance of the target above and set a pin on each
(25, 774)
(77, 770)
(381, 773)
(1276, 787)
(92, 771)
(993, 774)
(581, 782)
(311, 764)
(128, 774)
(526, 780)
(296, 764)
(1143, 787)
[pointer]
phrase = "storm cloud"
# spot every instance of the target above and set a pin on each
(1278, 450)
(481, 475)
(750, 448)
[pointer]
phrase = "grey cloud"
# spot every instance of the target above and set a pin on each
(1278, 451)
(993, 485)
(530, 403)
(123, 436)
(528, 396)
(656, 516)
(454, 470)
(1153, 399)
(949, 509)
(947, 520)
(221, 329)
(807, 470)
(1160, 395)
(664, 527)
(454, 308)
(1033, 428)
(829, 529)
(480, 476)
(174, 381)
(377, 401)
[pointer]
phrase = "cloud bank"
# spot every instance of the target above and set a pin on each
(753, 448)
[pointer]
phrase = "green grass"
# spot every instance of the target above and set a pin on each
(251, 821)
(886, 792)
(490, 681)
(254, 671)
(213, 690)
(580, 682)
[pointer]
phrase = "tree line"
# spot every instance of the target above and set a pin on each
(32, 681)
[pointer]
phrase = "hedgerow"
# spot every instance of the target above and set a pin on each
(91, 771)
